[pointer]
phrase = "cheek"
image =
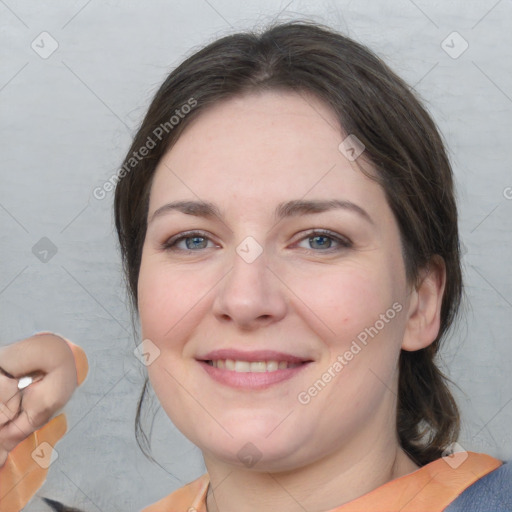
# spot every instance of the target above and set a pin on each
(169, 309)
(364, 311)
(345, 300)
(362, 322)
(168, 299)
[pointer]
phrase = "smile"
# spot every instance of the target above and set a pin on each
(251, 366)
(252, 370)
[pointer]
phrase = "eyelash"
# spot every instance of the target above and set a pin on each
(344, 243)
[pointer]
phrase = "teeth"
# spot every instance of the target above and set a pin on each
(259, 366)
(272, 366)
(242, 366)
(251, 366)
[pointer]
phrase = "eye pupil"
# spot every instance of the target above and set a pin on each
(195, 242)
(321, 237)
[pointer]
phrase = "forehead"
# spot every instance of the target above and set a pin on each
(265, 147)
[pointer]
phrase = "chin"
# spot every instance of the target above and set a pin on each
(258, 453)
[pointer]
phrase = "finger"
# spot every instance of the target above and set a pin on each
(10, 399)
(8, 388)
(41, 353)
(45, 397)
(15, 432)
(10, 409)
(30, 409)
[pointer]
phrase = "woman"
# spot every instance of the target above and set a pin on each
(288, 229)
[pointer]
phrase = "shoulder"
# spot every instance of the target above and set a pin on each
(493, 491)
(190, 497)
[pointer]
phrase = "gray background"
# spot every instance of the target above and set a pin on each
(66, 123)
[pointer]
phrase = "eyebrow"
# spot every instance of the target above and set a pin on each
(283, 210)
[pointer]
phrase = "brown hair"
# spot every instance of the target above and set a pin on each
(401, 141)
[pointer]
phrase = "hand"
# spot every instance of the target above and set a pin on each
(48, 359)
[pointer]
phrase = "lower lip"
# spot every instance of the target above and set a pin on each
(251, 380)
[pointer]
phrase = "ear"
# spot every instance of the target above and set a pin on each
(424, 316)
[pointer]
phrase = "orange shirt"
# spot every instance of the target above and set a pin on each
(429, 489)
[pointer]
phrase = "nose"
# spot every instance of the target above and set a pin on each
(250, 295)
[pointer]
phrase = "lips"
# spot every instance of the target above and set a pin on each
(254, 370)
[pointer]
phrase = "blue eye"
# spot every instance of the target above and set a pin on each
(198, 240)
(193, 240)
(324, 240)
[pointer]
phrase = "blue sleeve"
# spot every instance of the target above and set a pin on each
(492, 493)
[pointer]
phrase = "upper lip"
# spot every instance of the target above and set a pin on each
(252, 356)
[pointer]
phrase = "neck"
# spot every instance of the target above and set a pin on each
(321, 486)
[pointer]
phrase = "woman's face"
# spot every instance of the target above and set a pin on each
(277, 345)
